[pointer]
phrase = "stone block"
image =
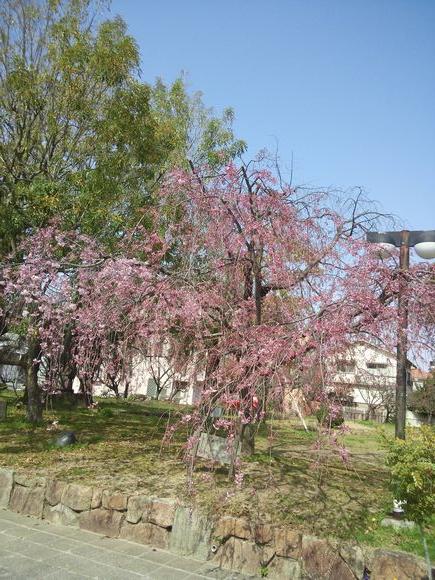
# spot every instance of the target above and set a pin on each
(241, 555)
(340, 569)
(242, 529)
(397, 524)
(18, 498)
(162, 512)
(22, 479)
(354, 558)
(6, 485)
(191, 534)
(287, 543)
(224, 528)
(263, 533)
(54, 491)
(114, 501)
(27, 500)
(27, 480)
(267, 554)
(397, 565)
(320, 558)
(280, 568)
(145, 533)
(215, 448)
(138, 507)
(97, 497)
(77, 497)
(101, 521)
(228, 526)
(61, 515)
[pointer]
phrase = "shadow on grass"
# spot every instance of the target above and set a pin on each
(122, 444)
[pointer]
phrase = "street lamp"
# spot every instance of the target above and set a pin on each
(424, 244)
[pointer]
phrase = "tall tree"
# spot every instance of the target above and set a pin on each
(262, 282)
(62, 137)
(82, 138)
(202, 138)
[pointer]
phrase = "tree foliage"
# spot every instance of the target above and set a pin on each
(201, 137)
(253, 283)
(82, 138)
(412, 464)
(422, 400)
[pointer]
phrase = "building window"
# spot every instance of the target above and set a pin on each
(374, 365)
(179, 388)
(346, 366)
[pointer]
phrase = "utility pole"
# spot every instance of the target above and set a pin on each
(402, 338)
(424, 243)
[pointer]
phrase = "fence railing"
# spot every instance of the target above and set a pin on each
(361, 415)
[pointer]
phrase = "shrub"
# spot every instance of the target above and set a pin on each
(423, 399)
(412, 465)
(138, 397)
(329, 418)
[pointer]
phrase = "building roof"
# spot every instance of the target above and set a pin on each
(417, 374)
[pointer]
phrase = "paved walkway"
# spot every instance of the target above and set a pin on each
(32, 549)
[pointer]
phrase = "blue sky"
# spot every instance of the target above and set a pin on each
(346, 87)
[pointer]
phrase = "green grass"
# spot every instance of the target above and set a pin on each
(294, 478)
(408, 540)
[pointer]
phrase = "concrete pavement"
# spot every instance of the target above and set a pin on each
(33, 549)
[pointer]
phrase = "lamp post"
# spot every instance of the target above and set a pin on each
(424, 244)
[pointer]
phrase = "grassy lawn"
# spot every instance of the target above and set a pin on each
(294, 478)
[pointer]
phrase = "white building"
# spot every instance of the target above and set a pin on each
(153, 377)
(365, 377)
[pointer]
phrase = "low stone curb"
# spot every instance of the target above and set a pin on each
(231, 543)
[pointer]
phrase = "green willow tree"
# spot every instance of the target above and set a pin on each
(202, 139)
(75, 124)
(82, 138)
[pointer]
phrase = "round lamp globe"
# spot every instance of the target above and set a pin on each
(425, 250)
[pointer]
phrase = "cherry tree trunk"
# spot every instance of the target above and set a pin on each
(247, 439)
(34, 403)
(68, 368)
(86, 390)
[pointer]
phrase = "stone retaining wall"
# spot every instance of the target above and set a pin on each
(232, 543)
